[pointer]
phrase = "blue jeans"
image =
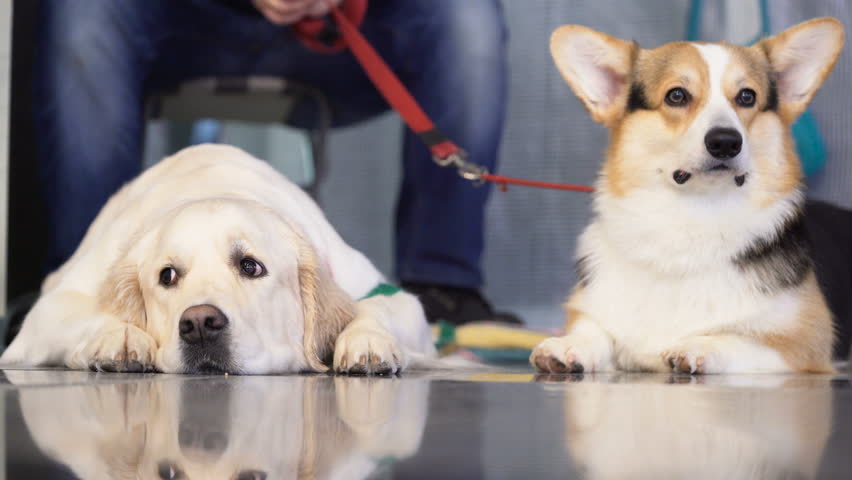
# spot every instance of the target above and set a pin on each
(98, 60)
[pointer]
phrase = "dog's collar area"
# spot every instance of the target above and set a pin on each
(382, 289)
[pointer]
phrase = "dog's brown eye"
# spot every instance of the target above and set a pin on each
(746, 97)
(677, 97)
(251, 267)
(168, 277)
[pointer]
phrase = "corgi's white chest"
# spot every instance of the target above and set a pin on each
(648, 312)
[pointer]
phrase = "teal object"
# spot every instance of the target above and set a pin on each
(383, 289)
(502, 355)
(809, 142)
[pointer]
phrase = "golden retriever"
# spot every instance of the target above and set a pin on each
(211, 261)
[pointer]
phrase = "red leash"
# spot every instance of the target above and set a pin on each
(503, 183)
(444, 151)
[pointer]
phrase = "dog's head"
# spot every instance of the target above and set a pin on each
(227, 285)
(699, 117)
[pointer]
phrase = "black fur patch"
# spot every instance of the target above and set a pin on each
(782, 261)
(772, 97)
(637, 100)
(583, 271)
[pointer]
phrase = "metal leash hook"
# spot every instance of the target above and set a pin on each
(467, 170)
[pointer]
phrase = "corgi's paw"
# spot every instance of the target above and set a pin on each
(118, 348)
(559, 355)
(366, 350)
(696, 355)
(688, 362)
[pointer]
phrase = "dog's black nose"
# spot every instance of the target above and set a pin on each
(723, 143)
(201, 323)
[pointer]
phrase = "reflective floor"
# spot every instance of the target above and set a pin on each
(472, 424)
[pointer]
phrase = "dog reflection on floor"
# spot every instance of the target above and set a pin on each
(770, 427)
(245, 428)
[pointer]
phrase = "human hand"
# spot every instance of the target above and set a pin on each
(286, 12)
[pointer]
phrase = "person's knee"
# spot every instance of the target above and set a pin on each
(470, 28)
(74, 33)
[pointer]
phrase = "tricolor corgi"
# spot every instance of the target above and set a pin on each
(696, 260)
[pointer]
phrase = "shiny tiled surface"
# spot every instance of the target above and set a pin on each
(470, 424)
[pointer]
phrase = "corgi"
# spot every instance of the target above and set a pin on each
(696, 260)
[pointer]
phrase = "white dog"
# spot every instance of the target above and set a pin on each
(211, 261)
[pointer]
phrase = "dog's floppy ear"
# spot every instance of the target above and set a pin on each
(121, 295)
(327, 309)
(801, 58)
(597, 67)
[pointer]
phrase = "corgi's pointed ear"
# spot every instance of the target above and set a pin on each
(801, 58)
(597, 67)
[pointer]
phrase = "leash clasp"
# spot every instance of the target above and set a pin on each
(467, 170)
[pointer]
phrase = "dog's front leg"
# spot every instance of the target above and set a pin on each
(586, 348)
(67, 328)
(387, 332)
(725, 353)
(115, 346)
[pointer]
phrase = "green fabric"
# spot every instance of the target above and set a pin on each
(383, 289)
(446, 335)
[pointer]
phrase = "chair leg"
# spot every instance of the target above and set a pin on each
(318, 138)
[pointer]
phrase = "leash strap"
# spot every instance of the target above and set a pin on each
(393, 90)
(444, 151)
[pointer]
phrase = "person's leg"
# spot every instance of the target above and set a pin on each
(455, 65)
(96, 62)
(452, 56)
(89, 73)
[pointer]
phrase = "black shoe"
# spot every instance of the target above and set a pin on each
(456, 305)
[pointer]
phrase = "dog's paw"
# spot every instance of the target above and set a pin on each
(557, 355)
(685, 361)
(119, 348)
(364, 350)
(696, 356)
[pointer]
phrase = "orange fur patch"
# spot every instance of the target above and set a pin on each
(807, 347)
